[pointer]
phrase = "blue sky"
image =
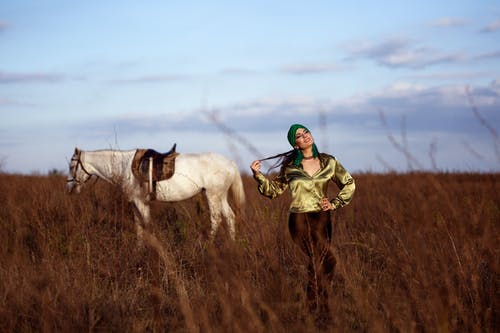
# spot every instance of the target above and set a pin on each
(382, 85)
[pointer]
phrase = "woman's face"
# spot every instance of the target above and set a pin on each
(303, 138)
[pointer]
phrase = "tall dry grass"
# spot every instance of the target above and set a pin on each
(416, 252)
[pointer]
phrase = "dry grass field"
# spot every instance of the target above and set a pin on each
(417, 252)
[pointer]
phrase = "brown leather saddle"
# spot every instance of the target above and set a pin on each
(163, 164)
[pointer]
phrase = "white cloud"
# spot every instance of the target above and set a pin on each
(11, 102)
(351, 129)
(301, 69)
(6, 78)
(267, 105)
(446, 22)
(5, 101)
(439, 107)
(400, 52)
(152, 79)
(237, 71)
(404, 87)
(495, 85)
(492, 27)
(409, 98)
(447, 76)
(488, 55)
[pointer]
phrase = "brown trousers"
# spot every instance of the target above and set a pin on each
(312, 232)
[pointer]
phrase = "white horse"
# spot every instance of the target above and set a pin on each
(211, 172)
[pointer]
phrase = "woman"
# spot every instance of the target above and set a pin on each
(307, 173)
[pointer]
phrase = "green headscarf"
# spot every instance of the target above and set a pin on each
(291, 139)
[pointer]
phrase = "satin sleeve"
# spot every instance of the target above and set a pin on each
(345, 183)
(271, 188)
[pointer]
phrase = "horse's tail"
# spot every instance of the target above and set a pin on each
(238, 191)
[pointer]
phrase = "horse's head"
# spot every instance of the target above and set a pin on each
(77, 175)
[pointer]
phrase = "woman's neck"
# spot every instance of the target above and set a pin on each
(307, 153)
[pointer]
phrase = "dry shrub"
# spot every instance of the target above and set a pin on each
(416, 252)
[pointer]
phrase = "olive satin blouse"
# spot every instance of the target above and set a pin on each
(306, 190)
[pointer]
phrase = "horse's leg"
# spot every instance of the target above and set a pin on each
(229, 216)
(215, 207)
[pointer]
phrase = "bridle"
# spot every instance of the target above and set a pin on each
(77, 158)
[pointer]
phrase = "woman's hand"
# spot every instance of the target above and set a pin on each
(255, 166)
(326, 204)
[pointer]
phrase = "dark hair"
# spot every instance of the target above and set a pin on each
(283, 160)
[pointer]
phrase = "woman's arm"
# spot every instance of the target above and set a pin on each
(266, 187)
(346, 184)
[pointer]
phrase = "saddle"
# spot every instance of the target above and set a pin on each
(162, 165)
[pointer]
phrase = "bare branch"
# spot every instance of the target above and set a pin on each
(323, 129)
(484, 122)
(401, 147)
(232, 133)
(471, 150)
(432, 154)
